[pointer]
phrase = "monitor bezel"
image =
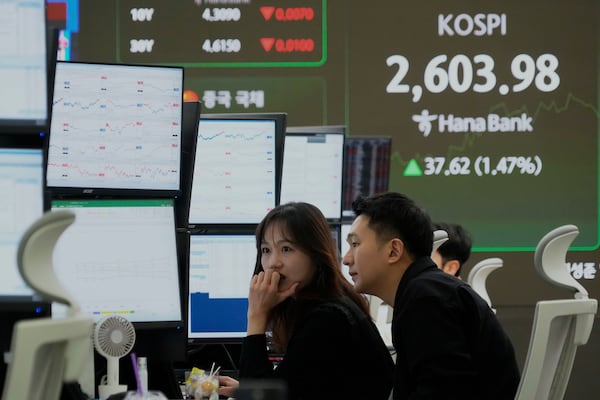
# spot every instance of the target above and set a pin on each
(92, 192)
(36, 141)
(189, 138)
(280, 119)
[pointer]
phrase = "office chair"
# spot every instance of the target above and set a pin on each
(478, 276)
(439, 237)
(46, 352)
(559, 326)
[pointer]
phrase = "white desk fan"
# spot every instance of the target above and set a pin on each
(114, 337)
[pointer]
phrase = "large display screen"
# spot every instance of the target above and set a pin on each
(115, 127)
(473, 97)
(491, 107)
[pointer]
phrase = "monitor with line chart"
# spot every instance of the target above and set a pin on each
(115, 129)
(313, 161)
(220, 269)
(120, 257)
(237, 171)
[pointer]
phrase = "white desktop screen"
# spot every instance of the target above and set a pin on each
(23, 66)
(120, 257)
(313, 170)
(21, 203)
(116, 127)
(235, 170)
(221, 266)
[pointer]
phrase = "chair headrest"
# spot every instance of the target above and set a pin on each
(550, 259)
(34, 256)
(439, 237)
(483, 268)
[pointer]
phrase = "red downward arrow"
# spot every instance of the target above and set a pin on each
(267, 12)
(267, 43)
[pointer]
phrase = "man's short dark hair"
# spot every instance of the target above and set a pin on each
(393, 215)
(458, 245)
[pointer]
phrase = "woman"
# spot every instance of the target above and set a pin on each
(331, 348)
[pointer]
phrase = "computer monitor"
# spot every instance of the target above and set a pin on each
(313, 161)
(366, 168)
(24, 61)
(120, 257)
(189, 138)
(220, 270)
(21, 203)
(116, 129)
(237, 173)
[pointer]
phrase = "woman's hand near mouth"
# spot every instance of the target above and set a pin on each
(263, 296)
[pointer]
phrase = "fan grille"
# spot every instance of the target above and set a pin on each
(115, 336)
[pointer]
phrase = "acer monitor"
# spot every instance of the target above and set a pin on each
(115, 130)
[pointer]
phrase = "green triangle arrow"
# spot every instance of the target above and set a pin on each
(413, 169)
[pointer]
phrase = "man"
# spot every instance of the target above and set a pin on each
(454, 252)
(449, 344)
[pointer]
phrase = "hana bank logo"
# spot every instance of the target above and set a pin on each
(424, 121)
(491, 123)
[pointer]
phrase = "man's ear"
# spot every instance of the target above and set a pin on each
(451, 267)
(396, 250)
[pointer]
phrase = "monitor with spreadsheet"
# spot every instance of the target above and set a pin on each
(313, 161)
(21, 203)
(220, 269)
(115, 129)
(120, 257)
(237, 173)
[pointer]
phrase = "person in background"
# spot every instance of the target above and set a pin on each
(454, 252)
(330, 347)
(448, 342)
